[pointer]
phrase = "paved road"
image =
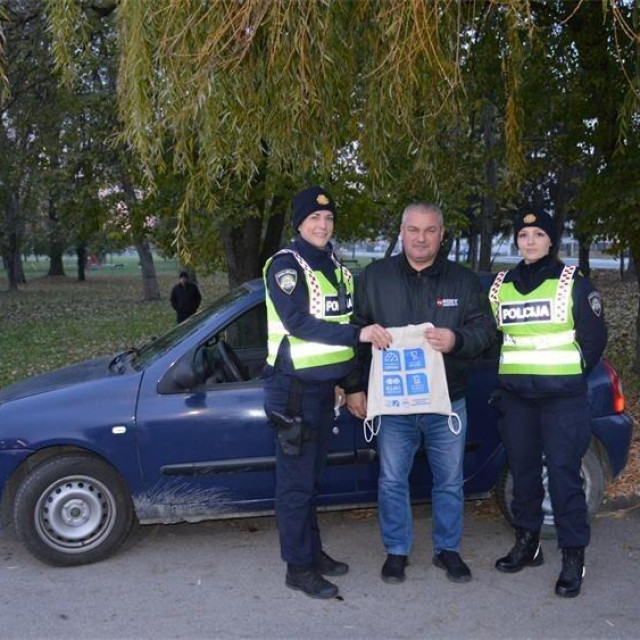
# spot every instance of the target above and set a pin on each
(225, 580)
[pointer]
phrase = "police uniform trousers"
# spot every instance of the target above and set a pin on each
(559, 429)
(297, 476)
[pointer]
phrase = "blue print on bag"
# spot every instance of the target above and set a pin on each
(391, 360)
(392, 386)
(417, 383)
(414, 359)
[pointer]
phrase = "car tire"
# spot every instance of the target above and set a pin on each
(593, 474)
(73, 509)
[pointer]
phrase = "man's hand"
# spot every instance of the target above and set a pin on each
(378, 336)
(357, 404)
(440, 339)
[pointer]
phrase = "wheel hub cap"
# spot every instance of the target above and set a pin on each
(75, 513)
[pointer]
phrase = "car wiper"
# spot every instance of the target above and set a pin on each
(119, 360)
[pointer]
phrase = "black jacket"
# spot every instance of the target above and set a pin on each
(393, 294)
(185, 300)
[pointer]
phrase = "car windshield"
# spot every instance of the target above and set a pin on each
(155, 348)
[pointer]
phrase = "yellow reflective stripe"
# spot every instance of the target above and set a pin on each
(540, 341)
(551, 357)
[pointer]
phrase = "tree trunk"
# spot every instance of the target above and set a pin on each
(634, 256)
(242, 249)
(561, 194)
(275, 227)
(393, 235)
(81, 253)
(13, 262)
(150, 288)
(631, 272)
(473, 251)
(56, 244)
(584, 250)
(488, 209)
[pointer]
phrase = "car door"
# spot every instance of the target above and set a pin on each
(210, 450)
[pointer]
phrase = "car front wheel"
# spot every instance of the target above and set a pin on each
(593, 476)
(73, 509)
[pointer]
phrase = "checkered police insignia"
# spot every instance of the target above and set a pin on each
(530, 218)
(595, 303)
(322, 199)
(287, 280)
(563, 293)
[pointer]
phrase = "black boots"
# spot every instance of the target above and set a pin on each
(525, 553)
(327, 566)
(308, 580)
(570, 580)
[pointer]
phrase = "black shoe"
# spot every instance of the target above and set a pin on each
(573, 570)
(310, 582)
(525, 553)
(393, 568)
(327, 566)
(453, 564)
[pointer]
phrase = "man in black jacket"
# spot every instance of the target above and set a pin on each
(185, 297)
(418, 286)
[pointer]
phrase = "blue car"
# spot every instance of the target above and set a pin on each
(175, 431)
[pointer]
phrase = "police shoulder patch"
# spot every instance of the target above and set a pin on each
(595, 303)
(287, 280)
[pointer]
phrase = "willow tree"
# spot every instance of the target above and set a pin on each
(254, 98)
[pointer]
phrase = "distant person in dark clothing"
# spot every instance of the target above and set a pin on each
(185, 297)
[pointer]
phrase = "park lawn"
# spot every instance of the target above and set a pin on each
(51, 322)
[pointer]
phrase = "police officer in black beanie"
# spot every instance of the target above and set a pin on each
(553, 328)
(311, 348)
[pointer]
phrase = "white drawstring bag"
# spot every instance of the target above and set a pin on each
(407, 378)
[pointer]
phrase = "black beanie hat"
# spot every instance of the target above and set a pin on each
(309, 201)
(534, 218)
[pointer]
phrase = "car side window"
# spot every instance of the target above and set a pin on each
(249, 331)
(244, 341)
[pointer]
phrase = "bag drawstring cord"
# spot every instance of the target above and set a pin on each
(370, 428)
(456, 432)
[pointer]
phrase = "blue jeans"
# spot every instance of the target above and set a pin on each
(398, 441)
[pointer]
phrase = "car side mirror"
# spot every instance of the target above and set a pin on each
(190, 372)
(184, 374)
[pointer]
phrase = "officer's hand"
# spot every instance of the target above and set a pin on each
(440, 339)
(357, 404)
(378, 336)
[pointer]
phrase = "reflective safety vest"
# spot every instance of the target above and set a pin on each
(323, 304)
(538, 330)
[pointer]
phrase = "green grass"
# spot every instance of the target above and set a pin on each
(52, 322)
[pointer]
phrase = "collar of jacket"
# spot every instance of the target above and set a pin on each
(309, 252)
(530, 276)
(432, 270)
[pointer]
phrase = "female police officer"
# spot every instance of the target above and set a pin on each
(553, 330)
(309, 303)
